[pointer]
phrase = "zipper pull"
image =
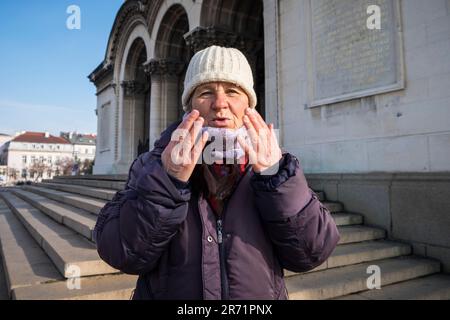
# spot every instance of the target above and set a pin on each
(219, 231)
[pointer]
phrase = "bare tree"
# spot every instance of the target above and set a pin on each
(87, 166)
(13, 173)
(37, 170)
(64, 166)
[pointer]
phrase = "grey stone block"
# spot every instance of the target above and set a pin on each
(420, 211)
(371, 199)
(442, 254)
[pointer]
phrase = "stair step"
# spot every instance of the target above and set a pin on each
(346, 219)
(435, 287)
(113, 177)
(66, 249)
(110, 287)
(333, 206)
(103, 194)
(359, 233)
(105, 184)
(82, 202)
(355, 253)
(25, 263)
(336, 282)
(79, 220)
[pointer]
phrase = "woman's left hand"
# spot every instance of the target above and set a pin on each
(264, 151)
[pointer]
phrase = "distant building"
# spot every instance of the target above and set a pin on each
(83, 145)
(34, 156)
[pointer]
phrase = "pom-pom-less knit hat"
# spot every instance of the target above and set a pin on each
(218, 64)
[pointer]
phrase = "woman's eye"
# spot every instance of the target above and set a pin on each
(232, 91)
(205, 93)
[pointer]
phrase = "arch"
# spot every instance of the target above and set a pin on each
(239, 23)
(169, 42)
(191, 8)
(136, 29)
(240, 16)
(133, 96)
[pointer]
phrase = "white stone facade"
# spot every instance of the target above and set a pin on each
(401, 131)
(21, 155)
(83, 152)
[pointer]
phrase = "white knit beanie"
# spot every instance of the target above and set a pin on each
(218, 64)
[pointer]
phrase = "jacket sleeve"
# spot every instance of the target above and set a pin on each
(300, 227)
(135, 228)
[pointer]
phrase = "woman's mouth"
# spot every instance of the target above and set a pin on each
(219, 122)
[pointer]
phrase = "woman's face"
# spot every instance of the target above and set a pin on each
(221, 104)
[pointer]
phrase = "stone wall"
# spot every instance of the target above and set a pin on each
(401, 131)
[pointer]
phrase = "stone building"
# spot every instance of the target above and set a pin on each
(364, 105)
(26, 150)
(83, 145)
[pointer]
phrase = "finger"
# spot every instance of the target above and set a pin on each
(253, 119)
(251, 131)
(189, 121)
(248, 150)
(256, 119)
(199, 146)
(259, 118)
(195, 132)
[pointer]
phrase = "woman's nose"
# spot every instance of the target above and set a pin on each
(220, 101)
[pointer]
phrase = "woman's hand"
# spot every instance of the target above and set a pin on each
(263, 152)
(181, 154)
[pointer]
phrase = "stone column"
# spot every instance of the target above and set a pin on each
(165, 103)
(132, 115)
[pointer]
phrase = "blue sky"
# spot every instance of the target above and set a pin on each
(44, 65)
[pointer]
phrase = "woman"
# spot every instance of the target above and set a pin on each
(192, 229)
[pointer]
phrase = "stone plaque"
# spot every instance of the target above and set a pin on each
(348, 59)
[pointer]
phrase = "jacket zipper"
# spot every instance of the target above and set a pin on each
(223, 270)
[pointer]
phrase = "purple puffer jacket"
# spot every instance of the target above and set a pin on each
(157, 229)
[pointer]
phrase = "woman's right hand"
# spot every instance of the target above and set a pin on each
(183, 151)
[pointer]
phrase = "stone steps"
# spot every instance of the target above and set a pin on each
(105, 184)
(435, 287)
(101, 177)
(67, 249)
(333, 206)
(104, 194)
(337, 282)
(82, 202)
(359, 233)
(30, 274)
(79, 220)
(68, 206)
(95, 205)
(25, 263)
(111, 287)
(360, 252)
(346, 219)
